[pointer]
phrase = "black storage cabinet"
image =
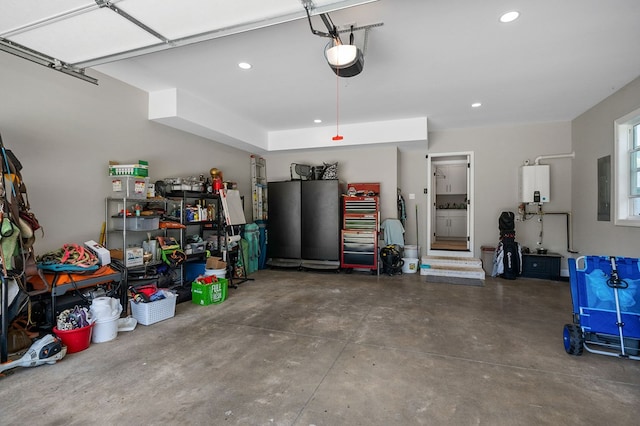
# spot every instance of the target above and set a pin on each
(304, 223)
(545, 266)
(284, 226)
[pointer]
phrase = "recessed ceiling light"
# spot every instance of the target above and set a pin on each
(317, 121)
(509, 16)
(244, 65)
(476, 105)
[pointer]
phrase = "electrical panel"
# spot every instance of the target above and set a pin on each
(534, 184)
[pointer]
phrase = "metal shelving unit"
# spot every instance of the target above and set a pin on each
(259, 187)
(119, 237)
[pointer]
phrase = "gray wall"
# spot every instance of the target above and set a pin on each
(498, 154)
(412, 173)
(65, 130)
(371, 164)
(593, 137)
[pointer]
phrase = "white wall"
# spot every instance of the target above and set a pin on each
(593, 138)
(64, 131)
(499, 152)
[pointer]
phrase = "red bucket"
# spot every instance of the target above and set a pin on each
(75, 340)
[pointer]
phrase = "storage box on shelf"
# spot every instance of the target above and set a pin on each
(136, 223)
(130, 257)
(195, 248)
(140, 169)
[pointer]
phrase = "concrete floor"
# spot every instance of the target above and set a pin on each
(318, 348)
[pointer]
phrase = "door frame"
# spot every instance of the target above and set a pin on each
(431, 202)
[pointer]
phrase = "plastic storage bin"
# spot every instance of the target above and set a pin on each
(136, 223)
(193, 270)
(153, 312)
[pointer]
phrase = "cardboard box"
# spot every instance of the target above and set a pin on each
(215, 263)
(101, 253)
(131, 257)
(134, 256)
(140, 169)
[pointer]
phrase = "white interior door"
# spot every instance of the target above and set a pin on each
(450, 200)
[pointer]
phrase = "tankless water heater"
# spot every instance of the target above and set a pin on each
(534, 184)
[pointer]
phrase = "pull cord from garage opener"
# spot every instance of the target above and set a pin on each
(337, 137)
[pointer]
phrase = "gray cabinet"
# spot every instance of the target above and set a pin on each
(451, 223)
(451, 179)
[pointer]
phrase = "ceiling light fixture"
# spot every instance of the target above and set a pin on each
(317, 121)
(476, 105)
(244, 65)
(509, 17)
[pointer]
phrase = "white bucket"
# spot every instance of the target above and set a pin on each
(410, 265)
(106, 311)
(220, 273)
(412, 252)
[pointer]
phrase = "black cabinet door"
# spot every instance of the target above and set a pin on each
(321, 219)
(284, 226)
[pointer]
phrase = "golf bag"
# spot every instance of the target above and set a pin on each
(508, 259)
(392, 262)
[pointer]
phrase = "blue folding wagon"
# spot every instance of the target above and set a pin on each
(605, 292)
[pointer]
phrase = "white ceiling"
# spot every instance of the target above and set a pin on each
(430, 58)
